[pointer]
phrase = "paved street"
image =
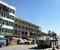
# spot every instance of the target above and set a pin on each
(18, 47)
(24, 47)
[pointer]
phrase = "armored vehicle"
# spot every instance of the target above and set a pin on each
(44, 41)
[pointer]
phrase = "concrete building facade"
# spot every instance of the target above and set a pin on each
(24, 28)
(7, 14)
(10, 25)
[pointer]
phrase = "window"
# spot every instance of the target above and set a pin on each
(15, 25)
(0, 21)
(12, 11)
(8, 23)
(4, 30)
(9, 30)
(6, 15)
(5, 9)
(11, 24)
(18, 33)
(19, 22)
(5, 22)
(1, 13)
(0, 7)
(23, 28)
(15, 32)
(11, 17)
(22, 22)
(19, 27)
(16, 21)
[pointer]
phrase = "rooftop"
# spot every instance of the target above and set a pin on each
(9, 6)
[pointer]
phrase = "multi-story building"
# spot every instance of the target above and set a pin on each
(13, 26)
(7, 14)
(24, 28)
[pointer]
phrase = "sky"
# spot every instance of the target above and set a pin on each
(44, 13)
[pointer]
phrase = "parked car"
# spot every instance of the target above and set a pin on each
(13, 40)
(29, 41)
(3, 41)
(21, 41)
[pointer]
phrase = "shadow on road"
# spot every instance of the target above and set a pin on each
(37, 48)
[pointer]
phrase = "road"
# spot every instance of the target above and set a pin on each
(24, 47)
(18, 47)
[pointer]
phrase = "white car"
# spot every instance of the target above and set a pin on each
(21, 41)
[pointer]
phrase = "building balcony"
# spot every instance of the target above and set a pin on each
(4, 18)
(6, 26)
(12, 14)
(6, 34)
